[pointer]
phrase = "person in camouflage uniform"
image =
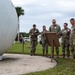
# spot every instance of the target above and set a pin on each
(44, 41)
(72, 37)
(65, 34)
(55, 28)
(34, 32)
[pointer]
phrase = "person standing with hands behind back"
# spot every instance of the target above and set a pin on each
(34, 32)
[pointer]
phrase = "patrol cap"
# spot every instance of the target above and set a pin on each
(34, 25)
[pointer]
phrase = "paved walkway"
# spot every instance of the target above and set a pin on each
(17, 64)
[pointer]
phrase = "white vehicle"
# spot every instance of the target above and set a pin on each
(26, 39)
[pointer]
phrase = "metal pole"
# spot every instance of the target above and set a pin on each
(52, 51)
(22, 47)
(18, 28)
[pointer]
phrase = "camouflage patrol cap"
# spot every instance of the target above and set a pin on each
(34, 25)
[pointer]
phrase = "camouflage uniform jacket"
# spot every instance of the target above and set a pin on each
(65, 33)
(73, 32)
(43, 36)
(33, 34)
(55, 29)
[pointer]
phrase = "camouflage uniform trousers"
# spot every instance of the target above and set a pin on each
(65, 47)
(44, 47)
(72, 44)
(33, 46)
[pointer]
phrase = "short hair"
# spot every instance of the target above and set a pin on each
(53, 20)
(43, 26)
(34, 25)
(66, 24)
(72, 19)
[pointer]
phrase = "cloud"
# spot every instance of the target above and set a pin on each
(42, 12)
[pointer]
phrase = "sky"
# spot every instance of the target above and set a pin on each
(41, 12)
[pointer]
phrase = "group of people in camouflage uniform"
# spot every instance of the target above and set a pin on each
(67, 38)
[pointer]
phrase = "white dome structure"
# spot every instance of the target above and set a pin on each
(8, 25)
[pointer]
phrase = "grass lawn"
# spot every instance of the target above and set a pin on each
(17, 48)
(64, 67)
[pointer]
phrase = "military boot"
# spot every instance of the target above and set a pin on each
(43, 52)
(74, 55)
(31, 53)
(46, 53)
(63, 55)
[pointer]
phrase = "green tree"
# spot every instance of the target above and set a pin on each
(20, 12)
